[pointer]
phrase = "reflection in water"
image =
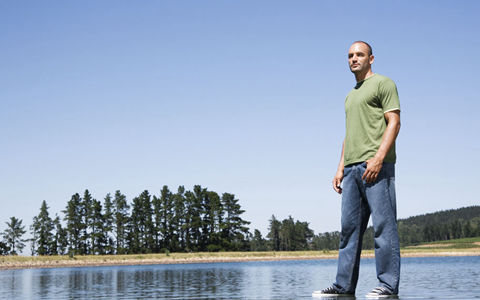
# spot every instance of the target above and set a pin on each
(45, 283)
(335, 297)
(433, 278)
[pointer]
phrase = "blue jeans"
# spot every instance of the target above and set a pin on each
(359, 201)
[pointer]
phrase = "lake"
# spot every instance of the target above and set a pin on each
(421, 278)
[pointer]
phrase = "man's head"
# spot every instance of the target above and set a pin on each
(360, 58)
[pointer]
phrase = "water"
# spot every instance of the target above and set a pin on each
(422, 278)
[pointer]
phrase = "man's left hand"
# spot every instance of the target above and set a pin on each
(374, 165)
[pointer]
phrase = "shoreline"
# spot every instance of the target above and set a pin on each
(39, 262)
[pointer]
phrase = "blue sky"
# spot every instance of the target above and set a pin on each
(243, 97)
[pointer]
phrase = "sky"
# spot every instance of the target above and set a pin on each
(244, 97)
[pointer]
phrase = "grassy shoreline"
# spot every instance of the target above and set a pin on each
(27, 262)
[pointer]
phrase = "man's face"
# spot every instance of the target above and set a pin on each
(358, 58)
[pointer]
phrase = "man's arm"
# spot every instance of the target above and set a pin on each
(337, 180)
(374, 164)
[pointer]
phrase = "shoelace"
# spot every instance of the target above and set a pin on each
(329, 290)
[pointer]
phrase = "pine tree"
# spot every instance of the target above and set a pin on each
(287, 234)
(195, 211)
(13, 236)
(166, 217)
(136, 232)
(141, 238)
(149, 242)
(74, 224)
(60, 241)
(42, 231)
(163, 218)
(213, 216)
(121, 222)
(178, 239)
(34, 238)
(97, 232)
(157, 222)
(86, 211)
(205, 220)
(109, 219)
(274, 233)
(234, 226)
(187, 227)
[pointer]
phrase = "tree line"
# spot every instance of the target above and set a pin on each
(294, 235)
(198, 220)
(438, 226)
(443, 225)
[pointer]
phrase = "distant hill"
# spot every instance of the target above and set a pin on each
(445, 216)
(438, 226)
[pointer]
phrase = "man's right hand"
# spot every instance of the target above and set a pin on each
(337, 181)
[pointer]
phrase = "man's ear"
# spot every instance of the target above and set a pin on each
(371, 58)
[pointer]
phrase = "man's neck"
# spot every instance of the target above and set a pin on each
(362, 76)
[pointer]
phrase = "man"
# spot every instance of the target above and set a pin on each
(366, 172)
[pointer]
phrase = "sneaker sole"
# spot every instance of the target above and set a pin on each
(320, 295)
(381, 296)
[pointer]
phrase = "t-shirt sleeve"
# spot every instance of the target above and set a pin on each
(389, 96)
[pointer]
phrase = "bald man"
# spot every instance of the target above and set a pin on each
(366, 178)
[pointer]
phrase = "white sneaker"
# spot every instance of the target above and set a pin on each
(329, 292)
(380, 292)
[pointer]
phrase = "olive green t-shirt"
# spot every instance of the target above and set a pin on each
(365, 107)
